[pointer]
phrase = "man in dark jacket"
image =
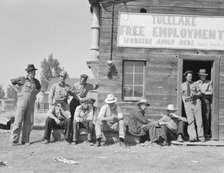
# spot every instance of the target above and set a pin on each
(139, 125)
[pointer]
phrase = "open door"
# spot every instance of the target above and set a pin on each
(211, 64)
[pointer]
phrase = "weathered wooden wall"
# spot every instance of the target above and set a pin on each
(162, 64)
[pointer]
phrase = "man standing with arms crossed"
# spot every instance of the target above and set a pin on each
(190, 94)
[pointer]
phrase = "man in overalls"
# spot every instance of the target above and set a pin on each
(191, 97)
(24, 117)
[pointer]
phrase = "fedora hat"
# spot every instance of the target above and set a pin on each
(84, 100)
(111, 98)
(63, 74)
(188, 71)
(143, 101)
(30, 67)
(202, 72)
(92, 100)
(170, 107)
(84, 76)
(59, 100)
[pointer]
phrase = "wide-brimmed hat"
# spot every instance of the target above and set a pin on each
(59, 100)
(170, 107)
(111, 98)
(84, 100)
(30, 67)
(202, 72)
(92, 100)
(84, 76)
(188, 71)
(63, 74)
(143, 101)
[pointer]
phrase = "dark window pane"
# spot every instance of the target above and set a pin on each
(138, 91)
(128, 91)
(138, 79)
(139, 67)
(128, 79)
(128, 67)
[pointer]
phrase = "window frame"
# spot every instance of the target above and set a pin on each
(143, 84)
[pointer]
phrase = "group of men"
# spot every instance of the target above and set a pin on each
(81, 112)
(197, 99)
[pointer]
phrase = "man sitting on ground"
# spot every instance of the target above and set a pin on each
(83, 118)
(58, 118)
(110, 118)
(172, 126)
(139, 125)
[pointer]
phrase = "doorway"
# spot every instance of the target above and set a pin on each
(211, 64)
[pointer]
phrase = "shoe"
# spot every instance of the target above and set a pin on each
(193, 140)
(202, 140)
(25, 143)
(179, 138)
(122, 142)
(14, 144)
(98, 142)
(46, 141)
(164, 143)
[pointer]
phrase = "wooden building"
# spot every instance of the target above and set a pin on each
(154, 69)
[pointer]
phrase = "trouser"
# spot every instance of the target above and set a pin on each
(102, 126)
(50, 124)
(24, 118)
(194, 117)
(78, 125)
(206, 115)
(72, 106)
(169, 135)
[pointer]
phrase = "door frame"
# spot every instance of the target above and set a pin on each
(215, 72)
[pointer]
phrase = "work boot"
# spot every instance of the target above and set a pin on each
(98, 142)
(122, 143)
(46, 141)
(179, 138)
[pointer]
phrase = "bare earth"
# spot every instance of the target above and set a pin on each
(38, 157)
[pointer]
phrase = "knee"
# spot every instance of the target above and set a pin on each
(48, 120)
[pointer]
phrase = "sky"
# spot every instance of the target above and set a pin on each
(30, 30)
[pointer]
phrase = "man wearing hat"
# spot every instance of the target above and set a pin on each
(172, 126)
(139, 124)
(83, 118)
(24, 116)
(58, 118)
(206, 99)
(191, 94)
(110, 118)
(81, 89)
(60, 89)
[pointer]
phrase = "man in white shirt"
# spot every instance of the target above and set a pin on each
(83, 118)
(110, 118)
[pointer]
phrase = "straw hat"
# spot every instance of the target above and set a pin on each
(111, 98)
(170, 107)
(202, 72)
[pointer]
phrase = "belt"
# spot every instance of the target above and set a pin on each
(189, 100)
(207, 96)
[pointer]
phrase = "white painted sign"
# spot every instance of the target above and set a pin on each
(170, 31)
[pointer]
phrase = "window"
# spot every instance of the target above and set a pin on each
(133, 79)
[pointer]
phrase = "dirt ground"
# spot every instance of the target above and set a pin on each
(38, 157)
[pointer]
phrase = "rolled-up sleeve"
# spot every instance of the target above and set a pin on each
(102, 112)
